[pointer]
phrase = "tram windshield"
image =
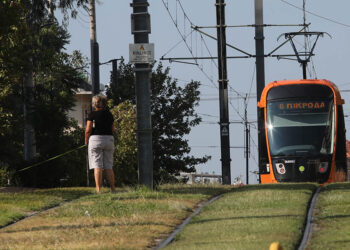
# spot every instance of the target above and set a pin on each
(300, 127)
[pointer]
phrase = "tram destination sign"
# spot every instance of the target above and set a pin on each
(141, 53)
(301, 106)
(311, 105)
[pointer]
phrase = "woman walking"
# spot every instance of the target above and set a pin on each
(100, 141)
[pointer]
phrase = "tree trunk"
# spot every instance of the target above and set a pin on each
(29, 132)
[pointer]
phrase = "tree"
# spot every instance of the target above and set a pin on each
(31, 50)
(10, 77)
(125, 157)
(173, 116)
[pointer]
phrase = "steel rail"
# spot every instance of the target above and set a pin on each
(308, 226)
(171, 237)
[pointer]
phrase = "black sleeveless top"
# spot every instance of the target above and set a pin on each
(102, 121)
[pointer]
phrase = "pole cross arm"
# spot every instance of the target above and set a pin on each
(214, 38)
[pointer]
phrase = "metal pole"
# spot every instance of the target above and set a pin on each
(29, 142)
(95, 66)
(260, 69)
(223, 93)
(141, 30)
(51, 8)
(246, 145)
(115, 72)
(29, 150)
(87, 169)
(304, 63)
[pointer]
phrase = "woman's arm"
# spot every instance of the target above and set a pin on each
(88, 131)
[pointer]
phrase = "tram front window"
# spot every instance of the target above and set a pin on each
(300, 127)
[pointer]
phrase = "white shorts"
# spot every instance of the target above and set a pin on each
(101, 149)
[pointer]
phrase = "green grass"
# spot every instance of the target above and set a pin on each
(16, 205)
(129, 219)
(332, 218)
(250, 217)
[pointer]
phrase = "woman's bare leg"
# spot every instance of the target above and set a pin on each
(98, 178)
(110, 178)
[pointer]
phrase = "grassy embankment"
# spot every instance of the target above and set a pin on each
(16, 205)
(131, 218)
(250, 217)
(332, 218)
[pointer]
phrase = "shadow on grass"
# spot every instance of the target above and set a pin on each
(203, 244)
(337, 186)
(278, 186)
(245, 217)
(340, 241)
(205, 190)
(93, 225)
(65, 193)
(165, 192)
(335, 217)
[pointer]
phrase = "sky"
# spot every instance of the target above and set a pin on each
(330, 61)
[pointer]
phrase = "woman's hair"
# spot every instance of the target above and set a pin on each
(99, 101)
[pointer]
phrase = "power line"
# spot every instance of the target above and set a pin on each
(251, 85)
(174, 46)
(215, 116)
(319, 16)
(184, 39)
(191, 51)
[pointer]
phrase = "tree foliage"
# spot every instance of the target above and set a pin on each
(125, 157)
(173, 116)
(31, 39)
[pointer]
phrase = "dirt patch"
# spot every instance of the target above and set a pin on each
(15, 189)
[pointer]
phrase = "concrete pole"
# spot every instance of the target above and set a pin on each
(223, 93)
(141, 30)
(95, 64)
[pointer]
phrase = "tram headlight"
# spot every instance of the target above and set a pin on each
(323, 167)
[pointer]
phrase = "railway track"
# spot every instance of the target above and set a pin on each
(303, 243)
(308, 225)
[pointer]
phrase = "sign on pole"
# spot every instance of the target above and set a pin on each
(141, 53)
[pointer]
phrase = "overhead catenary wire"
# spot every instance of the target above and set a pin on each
(191, 51)
(251, 85)
(174, 46)
(319, 16)
(184, 39)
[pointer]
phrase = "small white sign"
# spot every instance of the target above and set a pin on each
(224, 131)
(141, 53)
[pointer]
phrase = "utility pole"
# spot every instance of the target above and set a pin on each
(51, 7)
(115, 72)
(260, 70)
(247, 142)
(140, 28)
(29, 149)
(223, 93)
(29, 132)
(95, 65)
